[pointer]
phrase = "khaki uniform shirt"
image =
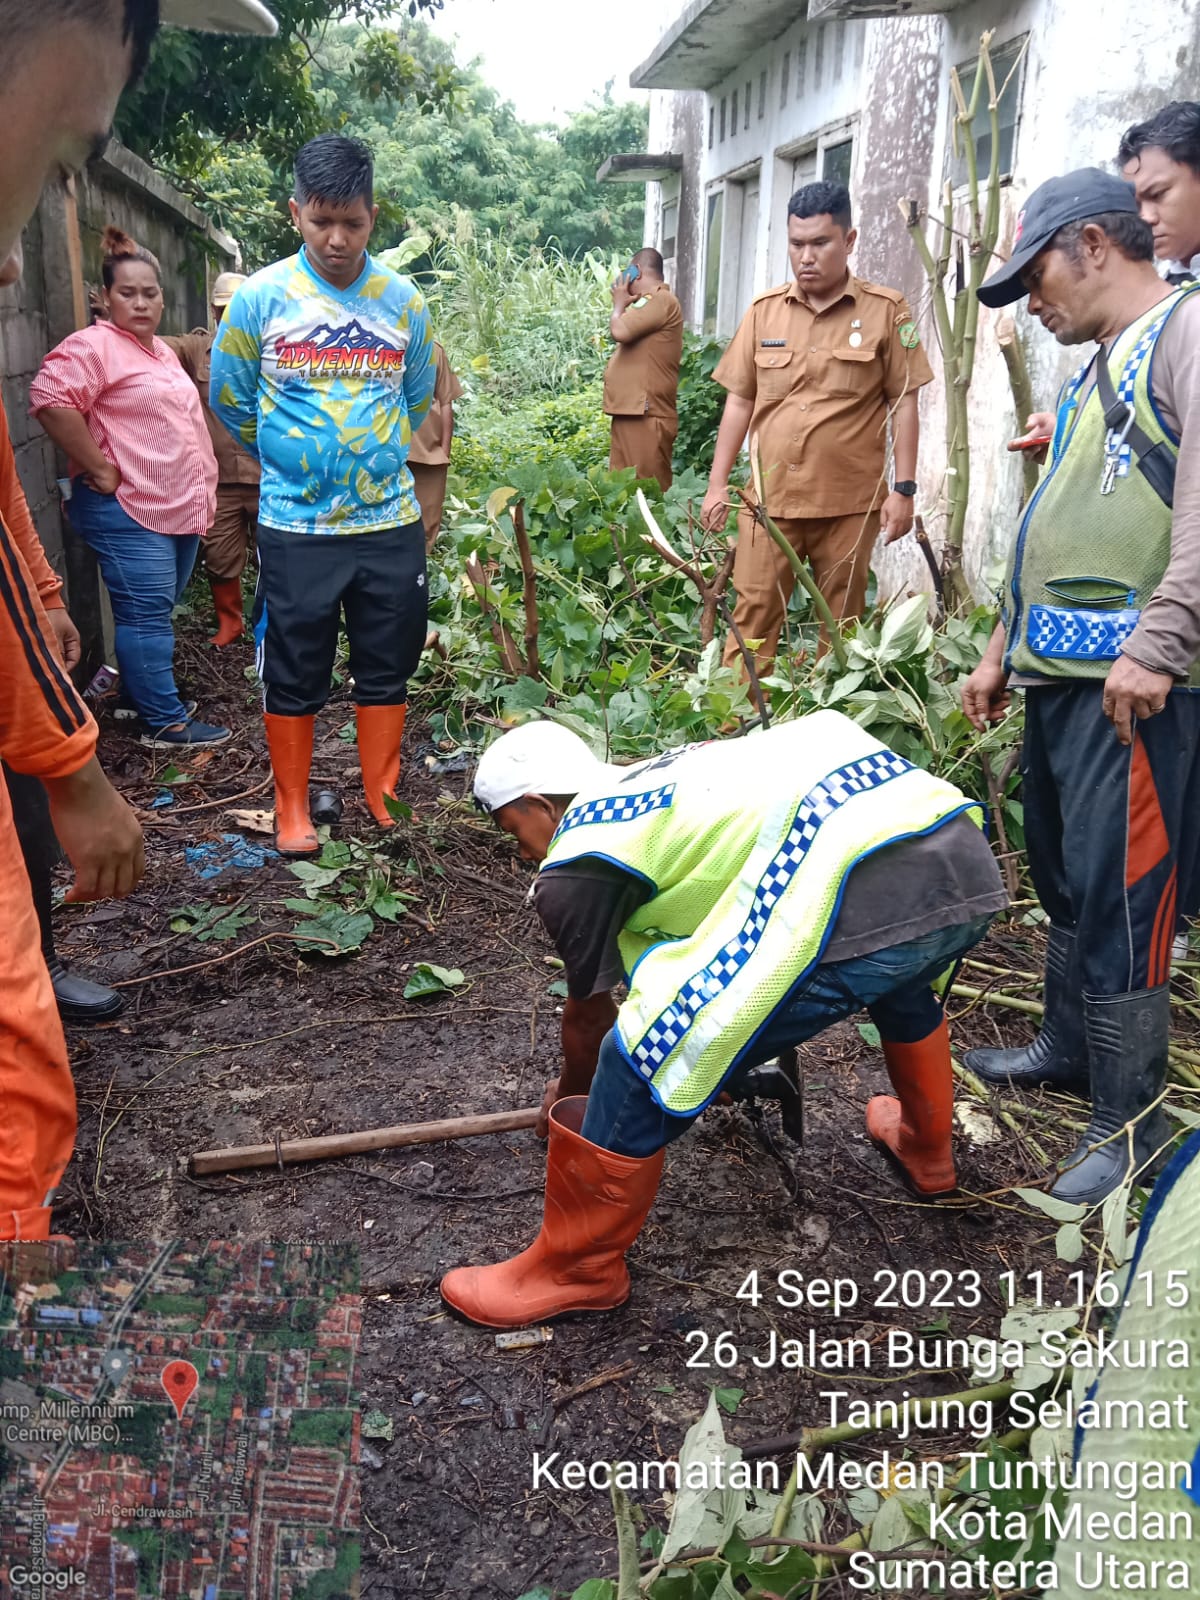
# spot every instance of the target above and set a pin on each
(234, 465)
(642, 376)
(425, 450)
(822, 383)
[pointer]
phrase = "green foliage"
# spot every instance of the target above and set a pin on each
(700, 404)
(207, 922)
(623, 668)
(427, 980)
(225, 117)
(348, 887)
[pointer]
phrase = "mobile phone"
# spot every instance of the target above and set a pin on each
(1039, 443)
(632, 271)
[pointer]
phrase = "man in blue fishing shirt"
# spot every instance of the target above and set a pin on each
(322, 370)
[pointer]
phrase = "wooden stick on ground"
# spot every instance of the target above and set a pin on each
(288, 1151)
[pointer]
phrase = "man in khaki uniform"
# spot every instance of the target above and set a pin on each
(231, 537)
(641, 380)
(815, 372)
(429, 450)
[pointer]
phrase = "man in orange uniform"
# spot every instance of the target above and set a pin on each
(66, 62)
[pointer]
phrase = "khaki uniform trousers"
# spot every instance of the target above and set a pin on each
(429, 483)
(645, 443)
(231, 538)
(37, 1095)
(838, 549)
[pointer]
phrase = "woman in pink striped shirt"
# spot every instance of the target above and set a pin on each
(144, 478)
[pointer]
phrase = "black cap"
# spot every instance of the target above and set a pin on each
(1089, 192)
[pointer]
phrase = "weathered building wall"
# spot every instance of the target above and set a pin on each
(677, 124)
(62, 256)
(1093, 67)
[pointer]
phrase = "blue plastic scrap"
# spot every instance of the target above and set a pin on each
(230, 850)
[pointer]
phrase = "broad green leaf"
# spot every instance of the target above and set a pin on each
(1068, 1242)
(906, 630)
(700, 1517)
(314, 878)
(869, 1033)
(596, 1589)
(1060, 1210)
(729, 1399)
(429, 980)
(497, 501)
(335, 932)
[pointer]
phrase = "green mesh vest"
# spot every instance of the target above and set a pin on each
(1085, 561)
(746, 846)
(1149, 1428)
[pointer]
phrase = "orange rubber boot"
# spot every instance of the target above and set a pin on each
(915, 1129)
(596, 1203)
(380, 729)
(290, 741)
(227, 599)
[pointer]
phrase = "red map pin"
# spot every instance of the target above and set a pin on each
(179, 1379)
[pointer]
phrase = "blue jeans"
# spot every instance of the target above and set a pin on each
(145, 574)
(892, 985)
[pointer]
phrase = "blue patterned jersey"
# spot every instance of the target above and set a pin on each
(326, 387)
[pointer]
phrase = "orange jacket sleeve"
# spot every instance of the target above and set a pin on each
(45, 728)
(14, 508)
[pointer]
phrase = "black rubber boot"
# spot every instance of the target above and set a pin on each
(775, 1080)
(1127, 1046)
(1058, 1057)
(79, 1000)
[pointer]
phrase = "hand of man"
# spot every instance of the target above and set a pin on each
(1132, 691)
(100, 834)
(985, 695)
(895, 517)
(66, 636)
(105, 479)
(542, 1126)
(622, 295)
(714, 513)
(1039, 425)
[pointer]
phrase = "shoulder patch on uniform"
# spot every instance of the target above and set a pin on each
(909, 336)
(894, 295)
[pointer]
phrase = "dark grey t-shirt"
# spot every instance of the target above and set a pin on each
(902, 892)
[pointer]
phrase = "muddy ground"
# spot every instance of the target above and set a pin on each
(220, 1048)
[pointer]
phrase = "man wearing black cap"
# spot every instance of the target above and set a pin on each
(1101, 625)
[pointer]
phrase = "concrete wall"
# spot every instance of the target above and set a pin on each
(1093, 67)
(62, 257)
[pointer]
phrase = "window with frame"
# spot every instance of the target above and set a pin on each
(733, 115)
(783, 78)
(714, 221)
(668, 229)
(746, 123)
(837, 161)
(724, 115)
(762, 95)
(712, 123)
(1004, 60)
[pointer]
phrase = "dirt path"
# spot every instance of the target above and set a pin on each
(272, 1042)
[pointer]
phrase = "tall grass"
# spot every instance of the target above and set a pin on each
(527, 322)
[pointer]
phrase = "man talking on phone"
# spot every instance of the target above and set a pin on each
(642, 377)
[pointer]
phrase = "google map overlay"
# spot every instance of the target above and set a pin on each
(178, 1419)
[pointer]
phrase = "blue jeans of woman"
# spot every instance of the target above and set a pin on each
(145, 574)
(893, 986)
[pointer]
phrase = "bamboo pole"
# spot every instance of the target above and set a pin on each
(287, 1152)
